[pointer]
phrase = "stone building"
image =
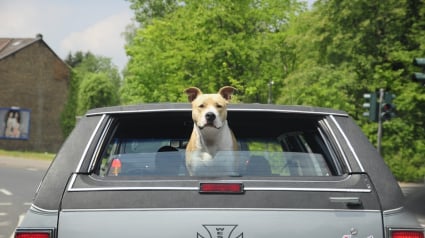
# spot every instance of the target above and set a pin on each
(33, 92)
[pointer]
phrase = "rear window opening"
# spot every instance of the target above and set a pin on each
(271, 145)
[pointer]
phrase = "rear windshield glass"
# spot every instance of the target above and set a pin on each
(270, 145)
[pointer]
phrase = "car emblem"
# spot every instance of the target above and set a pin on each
(219, 231)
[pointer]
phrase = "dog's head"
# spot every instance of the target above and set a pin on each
(209, 110)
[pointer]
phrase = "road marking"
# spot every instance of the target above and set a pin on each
(32, 169)
(5, 203)
(3, 214)
(20, 219)
(4, 223)
(5, 192)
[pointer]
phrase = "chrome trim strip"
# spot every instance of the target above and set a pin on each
(348, 143)
(71, 182)
(348, 190)
(98, 146)
(89, 143)
(218, 209)
(228, 109)
(133, 189)
(339, 146)
(140, 111)
(287, 179)
(38, 209)
(393, 211)
(390, 230)
(287, 111)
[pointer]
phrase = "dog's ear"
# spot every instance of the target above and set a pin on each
(226, 92)
(192, 93)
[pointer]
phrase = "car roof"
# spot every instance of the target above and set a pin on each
(149, 107)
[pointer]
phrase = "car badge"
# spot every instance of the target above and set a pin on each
(220, 231)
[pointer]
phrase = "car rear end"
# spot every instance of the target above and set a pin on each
(300, 172)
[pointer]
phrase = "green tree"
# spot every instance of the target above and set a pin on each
(148, 10)
(364, 45)
(98, 64)
(96, 90)
(327, 56)
(84, 65)
(210, 44)
(75, 59)
(303, 87)
(68, 115)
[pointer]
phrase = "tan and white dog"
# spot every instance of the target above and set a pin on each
(211, 132)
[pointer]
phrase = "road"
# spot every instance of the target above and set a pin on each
(19, 179)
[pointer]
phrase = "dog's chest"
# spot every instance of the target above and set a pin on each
(221, 163)
(210, 140)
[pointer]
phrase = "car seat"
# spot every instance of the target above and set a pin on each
(258, 166)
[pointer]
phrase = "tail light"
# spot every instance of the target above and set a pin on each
(221, 188)
(38, 233)
(406, 233)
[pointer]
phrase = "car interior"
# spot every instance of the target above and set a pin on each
(274, 145)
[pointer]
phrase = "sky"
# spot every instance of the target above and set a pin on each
(70, 25)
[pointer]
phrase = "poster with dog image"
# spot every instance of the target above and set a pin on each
(14, 123)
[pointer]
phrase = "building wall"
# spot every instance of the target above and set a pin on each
(35, 78)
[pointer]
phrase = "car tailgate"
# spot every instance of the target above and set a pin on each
(331, 207)
(220, 223)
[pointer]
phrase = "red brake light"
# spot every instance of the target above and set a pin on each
(221, 188)
(407, 234)
(33, 234)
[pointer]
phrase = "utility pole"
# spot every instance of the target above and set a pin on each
(269, 101)
(381, 99)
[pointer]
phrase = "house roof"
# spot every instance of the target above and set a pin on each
(9, 46)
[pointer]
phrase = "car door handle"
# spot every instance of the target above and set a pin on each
(351, 202)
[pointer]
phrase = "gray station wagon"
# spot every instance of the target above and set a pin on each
(301, 172)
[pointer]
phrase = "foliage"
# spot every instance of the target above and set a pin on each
(320, 86)
(148, 10)
(86, 63)
(210, 44)
(329, 56)
(96, 90)
(69, 113)
(363, 46)
(90, 67)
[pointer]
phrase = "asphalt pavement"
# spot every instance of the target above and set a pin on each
(19, 179)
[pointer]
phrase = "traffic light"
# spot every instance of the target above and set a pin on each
(419, 77)
(387, 107)
(372, 105)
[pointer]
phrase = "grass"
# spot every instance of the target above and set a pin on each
(27, 154)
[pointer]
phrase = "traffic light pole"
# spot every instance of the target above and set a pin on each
(381, 99)
(380, 109)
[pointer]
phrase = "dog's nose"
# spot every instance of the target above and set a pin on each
(210, 116)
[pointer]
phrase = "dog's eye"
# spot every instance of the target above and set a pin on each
(201, 106)
(219, 105)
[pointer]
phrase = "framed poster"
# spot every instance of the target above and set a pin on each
(14, 123)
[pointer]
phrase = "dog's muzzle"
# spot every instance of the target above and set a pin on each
(210, 121)
(210, 117)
